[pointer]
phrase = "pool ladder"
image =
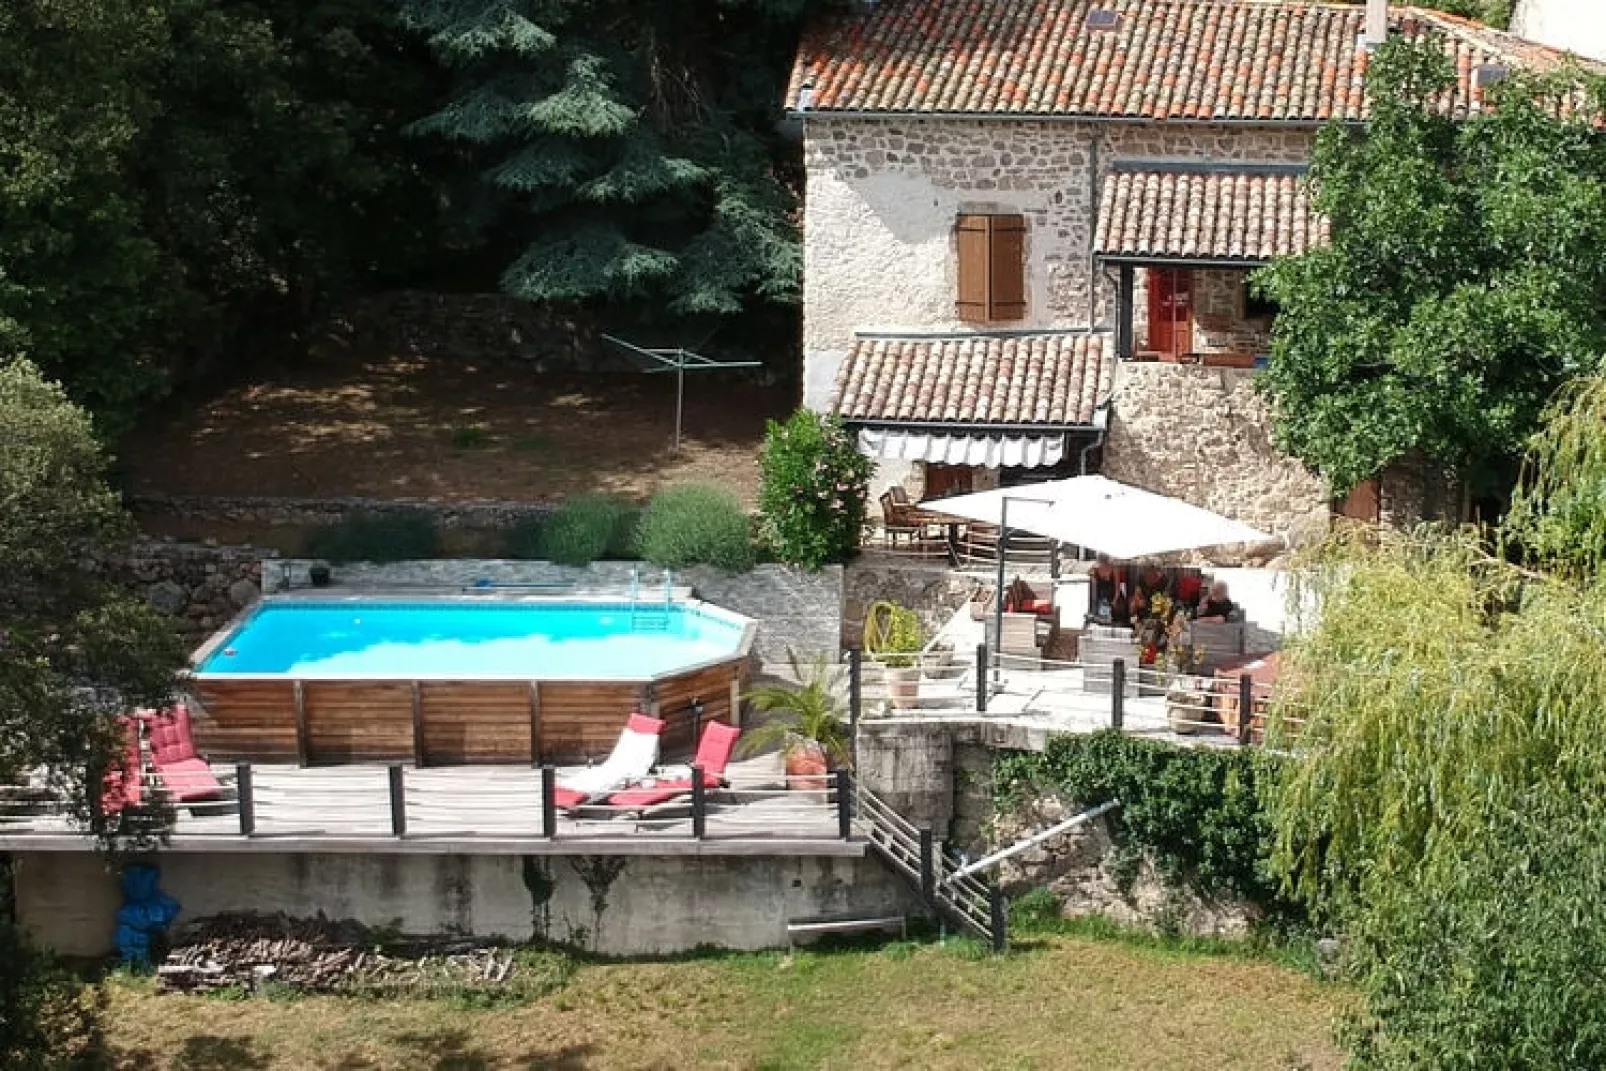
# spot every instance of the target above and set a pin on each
(653, 617)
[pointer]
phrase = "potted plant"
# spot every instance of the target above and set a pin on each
(805, 723)
(892, 637)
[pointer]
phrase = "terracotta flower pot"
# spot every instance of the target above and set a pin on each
(903, 686)
(806, 766)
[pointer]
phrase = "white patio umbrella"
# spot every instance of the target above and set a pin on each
(1098, 513)
(1102, 514)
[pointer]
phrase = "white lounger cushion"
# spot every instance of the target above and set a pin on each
(631, 760)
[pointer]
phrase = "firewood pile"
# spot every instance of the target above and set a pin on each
(320, 956)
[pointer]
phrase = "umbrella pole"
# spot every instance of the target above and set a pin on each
(998, 593)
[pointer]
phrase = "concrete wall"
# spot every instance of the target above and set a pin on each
(1576, 25)
(615, 905)
(793, 607)
(1204, 435)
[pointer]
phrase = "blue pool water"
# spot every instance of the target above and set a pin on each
(472, 640)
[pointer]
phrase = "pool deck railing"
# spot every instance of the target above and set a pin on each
(399, 809)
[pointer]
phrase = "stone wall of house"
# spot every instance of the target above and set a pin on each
(1204, 435)
(883, 197)
(1576, 25)
(200, 586)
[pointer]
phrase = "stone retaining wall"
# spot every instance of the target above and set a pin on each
(472, 328)
(939, 776)
(200, 586)
(316, 512)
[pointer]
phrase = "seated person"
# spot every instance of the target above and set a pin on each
(1216, 606)
(1104, 581)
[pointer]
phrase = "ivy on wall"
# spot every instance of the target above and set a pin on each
(1195, 813)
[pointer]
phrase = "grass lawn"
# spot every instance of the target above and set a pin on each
(1062, 1002)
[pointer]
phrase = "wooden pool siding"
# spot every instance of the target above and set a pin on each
(446, 723)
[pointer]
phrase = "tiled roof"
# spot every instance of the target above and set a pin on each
(1053, 379)
(1167, 59)
(1238, 215)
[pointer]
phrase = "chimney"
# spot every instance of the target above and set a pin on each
(1377, 23)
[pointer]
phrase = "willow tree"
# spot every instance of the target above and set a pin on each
(1446, 806)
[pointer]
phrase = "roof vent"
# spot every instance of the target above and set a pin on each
(805, 97)
(1490, 74)
(1103, 20)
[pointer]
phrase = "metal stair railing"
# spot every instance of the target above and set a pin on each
(963, 900)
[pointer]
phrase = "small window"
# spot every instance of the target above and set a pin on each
(992, 268)
(1257, 307)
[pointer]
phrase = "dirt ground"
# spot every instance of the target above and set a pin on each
(412, 428)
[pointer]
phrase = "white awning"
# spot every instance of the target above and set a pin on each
(986, 451)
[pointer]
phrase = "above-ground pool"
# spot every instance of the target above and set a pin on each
(452, 680)
(520, 641)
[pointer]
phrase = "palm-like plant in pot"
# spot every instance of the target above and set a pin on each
(805, 722)
(892, 636)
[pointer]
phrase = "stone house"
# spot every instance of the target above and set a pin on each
(1028, 230)
(1576, 25)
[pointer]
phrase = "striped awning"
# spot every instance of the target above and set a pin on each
(984, 451)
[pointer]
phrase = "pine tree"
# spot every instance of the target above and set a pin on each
(627, 145)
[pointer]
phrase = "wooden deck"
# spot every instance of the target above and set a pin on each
(486, 810)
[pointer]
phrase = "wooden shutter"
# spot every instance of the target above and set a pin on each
(974, 240)
(1007, 264)
(1363, 503)
(992, 268)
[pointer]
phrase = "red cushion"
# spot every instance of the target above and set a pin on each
(170, 736)
(662, 792)
(189, 780)
(567, 799)
(714, 750)
(644, 723)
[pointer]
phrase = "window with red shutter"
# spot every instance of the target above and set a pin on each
(992, 268)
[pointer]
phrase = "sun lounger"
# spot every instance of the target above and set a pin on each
(125, 783)
(632, 758)
(713, 755)
(187, 777)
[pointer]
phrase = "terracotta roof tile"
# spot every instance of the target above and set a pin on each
(1054, 379)
(1230, 214)
(1167, 59)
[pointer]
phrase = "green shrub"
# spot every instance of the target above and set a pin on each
(1196, 813)
(815, 483)
(695, 524)
(407, 535)
(523, 540)
(586, 528)
(1036, 910)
